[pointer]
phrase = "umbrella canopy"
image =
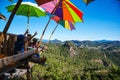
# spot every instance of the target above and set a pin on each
(2, 17)
(28, 9)
(88, 1)
(42, 1)
(64, 9)
(65, 23)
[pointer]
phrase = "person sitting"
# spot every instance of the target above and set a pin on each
(36, 57)
(20, 43)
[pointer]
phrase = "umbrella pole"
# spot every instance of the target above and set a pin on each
(10, 20)
(52, 33)
(27, 23)
(44, 32)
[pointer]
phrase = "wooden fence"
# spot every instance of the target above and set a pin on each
(7, 46)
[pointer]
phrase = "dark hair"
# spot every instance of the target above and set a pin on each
(35, 40)
(29, 35)
(20, 38)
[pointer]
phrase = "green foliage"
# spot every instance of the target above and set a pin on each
(87, 64)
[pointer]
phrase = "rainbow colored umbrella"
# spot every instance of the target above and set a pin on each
(64, 9)
(66, 24)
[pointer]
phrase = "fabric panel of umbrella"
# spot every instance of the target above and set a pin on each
(67, 11)
(40, 2)
(64, 9)
(65, 23)
(28, 9)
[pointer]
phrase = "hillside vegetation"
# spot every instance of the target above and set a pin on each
(80, 60)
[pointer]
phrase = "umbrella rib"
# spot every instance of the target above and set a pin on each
(21, 9)
(37, 13)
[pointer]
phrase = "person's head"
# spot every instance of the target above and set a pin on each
(20, 38)
(35, 40)
(29, 36)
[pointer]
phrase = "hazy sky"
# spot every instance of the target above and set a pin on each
(101, 21)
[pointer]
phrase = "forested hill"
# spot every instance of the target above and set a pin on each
(80, 60)
(99, 43)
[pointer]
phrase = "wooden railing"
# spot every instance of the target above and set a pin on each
(11, 59)
(7, 46)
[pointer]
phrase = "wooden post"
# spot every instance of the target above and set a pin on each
(10, 20)
(12, 16)
(5, 45)
(44, 32)
(28, 71)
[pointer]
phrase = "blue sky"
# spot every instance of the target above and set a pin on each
(101, 21)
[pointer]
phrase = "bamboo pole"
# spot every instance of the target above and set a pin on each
(28, 18)
(44, 32)
(10, 20)
(53, 32)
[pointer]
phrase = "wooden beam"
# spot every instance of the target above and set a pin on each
(11, 59)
